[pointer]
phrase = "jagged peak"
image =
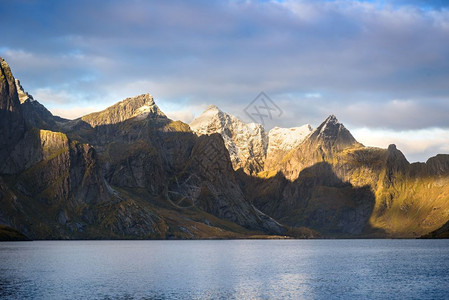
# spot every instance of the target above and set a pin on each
(23, 96)
(139, 106)
(332, 119)
(213, 107)
(8, 91)
(213, 116)
(210, 115)
(392, 147)
(3, 63)
(332, 132)
(143, 99)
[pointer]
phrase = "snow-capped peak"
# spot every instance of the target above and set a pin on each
(246, 142)
(286, 139)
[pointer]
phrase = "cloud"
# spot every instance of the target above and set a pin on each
(52, 97)
(74, 113)
(184, 116)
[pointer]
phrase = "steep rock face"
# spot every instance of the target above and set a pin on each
(63, 195)
(12, 123)
(37, 145)
(59, 175)
(246, 143)
(216, 191)
(138, 145)
(332, 135)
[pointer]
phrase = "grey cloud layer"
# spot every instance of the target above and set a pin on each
(378, 66)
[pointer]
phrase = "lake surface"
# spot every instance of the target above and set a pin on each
(233, 269)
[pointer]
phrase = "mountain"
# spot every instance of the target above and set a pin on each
(328, 139)
(246, 142)
(250, 146)
(125, 172)
(130, 172)
(335, 185)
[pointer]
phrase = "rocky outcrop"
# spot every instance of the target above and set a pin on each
(12, 123)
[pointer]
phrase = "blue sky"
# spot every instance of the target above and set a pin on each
(382, 67)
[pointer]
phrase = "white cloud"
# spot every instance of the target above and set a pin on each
(184, 116)
(51, 96)
(74, 113)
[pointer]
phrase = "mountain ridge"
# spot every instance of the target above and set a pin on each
(130, 172)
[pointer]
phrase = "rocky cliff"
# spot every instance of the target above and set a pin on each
(12, 123)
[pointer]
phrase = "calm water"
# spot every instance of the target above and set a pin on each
(242, 269)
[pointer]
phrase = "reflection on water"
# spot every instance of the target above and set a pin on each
(242, 269)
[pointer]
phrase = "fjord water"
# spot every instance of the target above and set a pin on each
(225, 269)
